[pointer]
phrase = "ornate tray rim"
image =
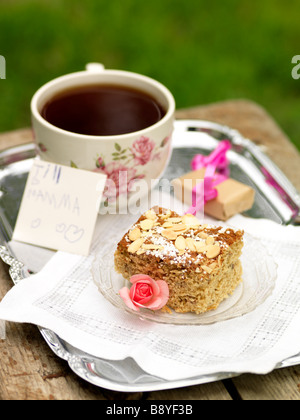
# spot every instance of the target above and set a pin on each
(84, 365)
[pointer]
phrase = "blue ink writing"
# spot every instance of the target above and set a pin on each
(55, 200)
(35, 223)
(45, 171)
(71, 233)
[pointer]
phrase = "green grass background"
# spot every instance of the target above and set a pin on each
(204, 51)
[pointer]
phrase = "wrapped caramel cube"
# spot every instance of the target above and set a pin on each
(233, 196)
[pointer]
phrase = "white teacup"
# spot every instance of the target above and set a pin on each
(148, 150)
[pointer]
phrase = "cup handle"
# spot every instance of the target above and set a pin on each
(95, 67)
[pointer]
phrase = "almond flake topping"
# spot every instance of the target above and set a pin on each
(210, 240)
(147, 224)
(166, 215)
(200, 247)
(203, 235)
(178, 227)
(191, 244)
(175, 219)
(135, 246)
(134, 234)
(150, 214)
(207, 269)
(213, 251)
(152, 246)
(167, 224)
(169, 234)
(180, 243)
(140, 251)
(178, 239)
(190, 221)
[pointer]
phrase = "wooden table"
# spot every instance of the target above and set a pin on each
(29, 370)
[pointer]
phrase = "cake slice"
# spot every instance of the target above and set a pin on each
(199, 262)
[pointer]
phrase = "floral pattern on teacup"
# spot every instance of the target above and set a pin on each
(123, 170)
(41, 147)
(142, 150)
(120, 178)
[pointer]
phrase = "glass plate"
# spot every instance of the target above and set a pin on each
(259, 277)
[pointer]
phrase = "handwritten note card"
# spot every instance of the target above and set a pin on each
(59, 207)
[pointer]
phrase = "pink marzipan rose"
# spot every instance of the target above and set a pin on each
(145, 293)
(142, 150)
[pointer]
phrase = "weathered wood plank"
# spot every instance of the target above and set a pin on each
(15, 138)
(282, 384)
(211, 391)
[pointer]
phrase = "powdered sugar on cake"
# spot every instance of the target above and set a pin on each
(180, 239)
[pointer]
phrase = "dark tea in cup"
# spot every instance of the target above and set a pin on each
(102, 110)
(115, 122)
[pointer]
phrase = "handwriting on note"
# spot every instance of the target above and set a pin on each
(59, 207)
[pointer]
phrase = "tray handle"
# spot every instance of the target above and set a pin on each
(16, 266)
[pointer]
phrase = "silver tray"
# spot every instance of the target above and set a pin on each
(276, 199)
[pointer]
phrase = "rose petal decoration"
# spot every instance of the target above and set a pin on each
(145, 293)
(142, 150)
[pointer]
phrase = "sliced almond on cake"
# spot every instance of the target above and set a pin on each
(134, 234)
(180, 243)
(150, 214)
(191, 244)
(200, 247)
(169, 234)
(175, 219)
(202, 235)
(210, 240)
(147, 224)
(190, 221)
(213, 251)
(135, 246)
(167, 224)
(166, 215)
(206, 269)
(152, 246)
(178, 227)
